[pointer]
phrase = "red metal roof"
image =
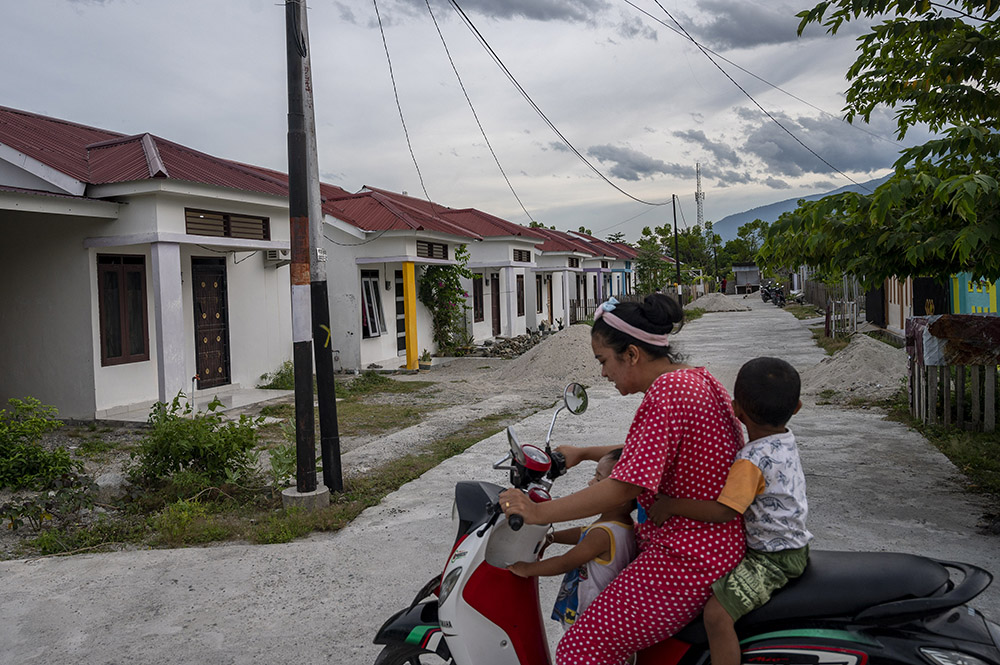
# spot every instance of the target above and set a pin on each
(488, 225)
(55, 143)
(560, 241)
(373, 211)
(97, 156)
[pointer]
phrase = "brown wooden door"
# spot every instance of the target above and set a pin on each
(495, 302)
(211, 321)
(550, 298)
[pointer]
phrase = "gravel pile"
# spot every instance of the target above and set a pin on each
(561, 358)
(867, 368)
(717, 302)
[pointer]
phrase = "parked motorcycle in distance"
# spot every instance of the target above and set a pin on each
(765, 292)
(778, 296)
(847, 608)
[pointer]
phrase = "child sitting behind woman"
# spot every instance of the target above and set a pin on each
(767, 486)
(600, 552)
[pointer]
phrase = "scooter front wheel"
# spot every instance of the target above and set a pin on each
(401, 654)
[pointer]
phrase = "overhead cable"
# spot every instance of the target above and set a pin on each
(527, 97)
(473, 109)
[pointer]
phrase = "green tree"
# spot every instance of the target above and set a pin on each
(616, 237)
(584, 229)
(650, 268)
(934, 63)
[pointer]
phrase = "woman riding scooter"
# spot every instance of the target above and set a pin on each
(681, 443)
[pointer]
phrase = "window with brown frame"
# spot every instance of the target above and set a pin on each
(538, 293)
(522, 256)
(432, 250)
(477, 297)
(226, 225)
(121, 297)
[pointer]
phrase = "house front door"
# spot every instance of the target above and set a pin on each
(211, 321)
(495, 302)
(400, 315)
(550, 299)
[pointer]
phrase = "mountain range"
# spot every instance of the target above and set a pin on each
(729, 225)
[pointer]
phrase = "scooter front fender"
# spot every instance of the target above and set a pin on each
(416, 626)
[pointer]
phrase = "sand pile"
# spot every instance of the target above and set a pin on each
(866, 368)
(717, 302)
(563, 357)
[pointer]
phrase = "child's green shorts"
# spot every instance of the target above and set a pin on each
(751, 583)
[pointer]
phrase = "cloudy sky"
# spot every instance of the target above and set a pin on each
(634, 99)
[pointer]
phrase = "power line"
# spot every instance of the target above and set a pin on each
(473, 109)
(527, 97)
(395, 93)
(755, 102)
(752, 74)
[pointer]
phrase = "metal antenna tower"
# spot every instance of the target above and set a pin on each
(699, 197)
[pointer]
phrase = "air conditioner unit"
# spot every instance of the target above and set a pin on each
(277, 257)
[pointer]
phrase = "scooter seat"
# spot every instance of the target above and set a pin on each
(842, 585)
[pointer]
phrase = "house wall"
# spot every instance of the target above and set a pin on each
(972, 295)
(46, 340)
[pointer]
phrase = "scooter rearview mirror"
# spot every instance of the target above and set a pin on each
(575, 398)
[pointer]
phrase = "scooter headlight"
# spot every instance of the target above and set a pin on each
(450, 580)
(949, 657)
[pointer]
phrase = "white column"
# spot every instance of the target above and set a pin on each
(565, 297)
(510, 289)
(168, 319)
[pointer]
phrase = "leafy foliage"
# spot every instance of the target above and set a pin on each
(934, 63)
(184, 440)
(24, 463)
(442, 294)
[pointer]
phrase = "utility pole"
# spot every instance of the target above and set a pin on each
(296, 50)
(677, 256)
(321, 335)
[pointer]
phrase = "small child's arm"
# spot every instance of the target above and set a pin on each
(594, 544)
(666, 507)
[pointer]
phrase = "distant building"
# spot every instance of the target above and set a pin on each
(747, 277)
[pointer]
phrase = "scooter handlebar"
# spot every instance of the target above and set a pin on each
(515, 521)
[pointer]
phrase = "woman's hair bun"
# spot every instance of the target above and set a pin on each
(663, 312)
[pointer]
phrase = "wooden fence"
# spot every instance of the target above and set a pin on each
(953, 370)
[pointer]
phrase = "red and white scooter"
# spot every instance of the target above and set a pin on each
(848, 608)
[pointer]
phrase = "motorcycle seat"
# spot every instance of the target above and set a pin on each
(842, 585)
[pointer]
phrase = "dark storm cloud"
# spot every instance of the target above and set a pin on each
(777, 183)
(581, 11)
(745, 24)
(720, 151)
(629, 164)
(845, 147)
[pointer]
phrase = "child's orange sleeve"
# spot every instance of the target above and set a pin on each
(744, 483)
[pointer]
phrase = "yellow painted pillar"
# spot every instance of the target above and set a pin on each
(993, 295)
(955, 296)
(410, 313)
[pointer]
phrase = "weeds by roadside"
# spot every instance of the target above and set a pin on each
(194, 479)
(829, 344)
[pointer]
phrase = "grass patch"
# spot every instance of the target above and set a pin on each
(357, 418)
(803, 311)
(693, 313)
(829, 344)
(95, 447)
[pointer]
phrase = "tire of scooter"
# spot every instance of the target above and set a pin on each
(404, 654)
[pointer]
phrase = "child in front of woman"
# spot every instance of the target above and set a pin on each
(600, 552)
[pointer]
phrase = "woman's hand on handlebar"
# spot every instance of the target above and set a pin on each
(574, 455)
(516, 502)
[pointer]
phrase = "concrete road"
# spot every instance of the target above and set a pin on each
(873, 485)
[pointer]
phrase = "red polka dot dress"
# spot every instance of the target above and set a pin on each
(682, 442)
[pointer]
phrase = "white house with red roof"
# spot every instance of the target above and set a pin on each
(133, 268)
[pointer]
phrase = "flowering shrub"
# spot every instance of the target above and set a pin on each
(442, 294)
